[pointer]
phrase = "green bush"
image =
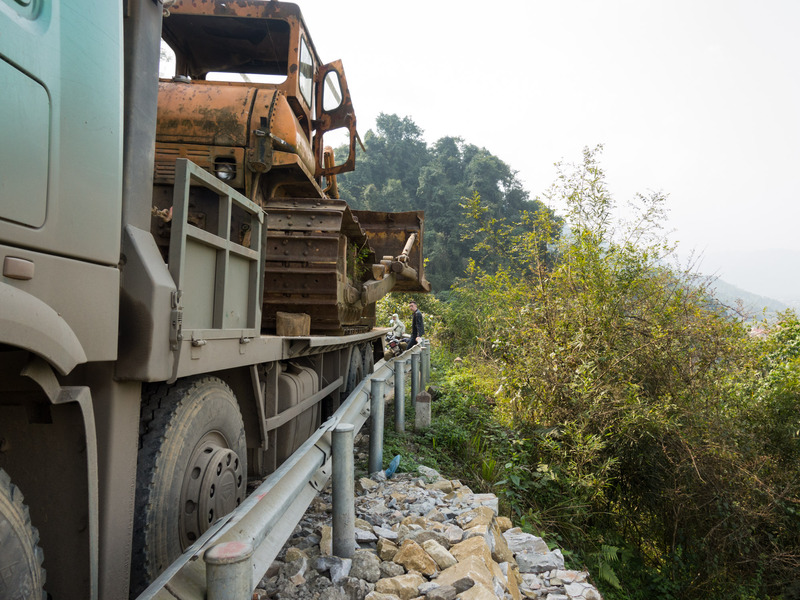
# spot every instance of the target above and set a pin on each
(617, 405)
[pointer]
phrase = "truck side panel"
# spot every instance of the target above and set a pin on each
(70, 62)
(84, 296)
(60, 216)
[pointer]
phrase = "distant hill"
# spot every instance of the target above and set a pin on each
(752, 304)
(772, 272)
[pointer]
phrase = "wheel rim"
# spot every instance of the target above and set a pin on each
(213, 485)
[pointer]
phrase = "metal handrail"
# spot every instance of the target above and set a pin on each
(267, 517)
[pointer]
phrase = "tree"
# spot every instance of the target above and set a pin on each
(644, 419)
(400, 172)
(395, 152)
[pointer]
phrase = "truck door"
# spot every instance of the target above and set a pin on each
(334, 111)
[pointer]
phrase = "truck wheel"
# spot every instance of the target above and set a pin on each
(355, 373)
(20, 556)
(192, 470)
(369, 360)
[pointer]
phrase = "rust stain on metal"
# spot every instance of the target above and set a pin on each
(267, 139)
(202, 113)
(388, 235)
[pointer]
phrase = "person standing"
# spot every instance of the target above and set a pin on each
(417, 326)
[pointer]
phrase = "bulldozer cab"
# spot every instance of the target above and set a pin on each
(266, 45)
(251, 102)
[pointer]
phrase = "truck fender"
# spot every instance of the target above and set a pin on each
(27, 322)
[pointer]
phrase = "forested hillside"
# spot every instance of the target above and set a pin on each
(399, 171)
(604, 394)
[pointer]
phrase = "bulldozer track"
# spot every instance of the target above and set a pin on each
(303, 270)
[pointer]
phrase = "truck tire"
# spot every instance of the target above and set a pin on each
(20, 556)
(355, 372)
(369, 360)
(192, 470)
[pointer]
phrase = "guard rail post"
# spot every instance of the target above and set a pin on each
(343, 499)
(228, 571)
(414, 375)
(399, 396)
(376, 426)
(426, 363)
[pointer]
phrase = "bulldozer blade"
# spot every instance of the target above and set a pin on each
(388, 233)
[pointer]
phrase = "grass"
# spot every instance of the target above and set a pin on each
(414, 447)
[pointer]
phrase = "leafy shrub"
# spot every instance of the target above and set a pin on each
(630, 411)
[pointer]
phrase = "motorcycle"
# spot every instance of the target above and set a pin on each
(393, 346)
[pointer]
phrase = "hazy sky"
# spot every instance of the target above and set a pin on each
(699, 99)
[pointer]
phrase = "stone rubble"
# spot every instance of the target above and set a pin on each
(420, 538)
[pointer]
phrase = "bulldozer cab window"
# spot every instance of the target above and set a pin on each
(306, 74)
(208, 44)
(332, 92)
(166, 70)
(245, 77)
(166, 63)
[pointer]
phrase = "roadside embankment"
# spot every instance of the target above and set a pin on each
(420, 536)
